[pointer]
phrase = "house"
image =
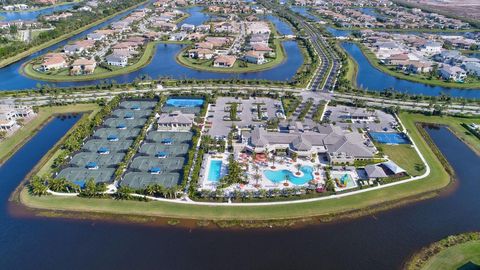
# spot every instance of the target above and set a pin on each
(175, 121)
(262, 48)
(201, 53)
(116, 59)
(73, 49)
(254, 57)
(96, 36)
(224, 61)
(178, 36)
(431, 47)
(453, 73)
(53, 61)
(473, 68)
(203, 28)
(187, 27)
(7, 125)
(419, 67)
(83, 66)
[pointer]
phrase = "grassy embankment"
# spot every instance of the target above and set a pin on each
(469, 84)
(454, 252)
(18, 57)
(327, 209)
(10, 145)
(455, 257)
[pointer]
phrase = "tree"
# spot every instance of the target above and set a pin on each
(124, 193)
(257, 177)
(298, 166)
(38, 186)
(3, 134)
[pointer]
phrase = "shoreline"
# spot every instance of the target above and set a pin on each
(310, 209)
(20, 56)
(42, 8)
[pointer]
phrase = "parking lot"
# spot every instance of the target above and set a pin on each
(351, 117)
(247, 113)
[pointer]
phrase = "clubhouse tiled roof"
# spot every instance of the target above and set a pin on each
(176, 117)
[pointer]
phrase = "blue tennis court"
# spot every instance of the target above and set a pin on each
(389, 137)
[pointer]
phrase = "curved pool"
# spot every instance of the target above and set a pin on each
(281, 175)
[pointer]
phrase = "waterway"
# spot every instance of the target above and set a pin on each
(163, 63)
(380, 241)
(32, 15)
(370, 78)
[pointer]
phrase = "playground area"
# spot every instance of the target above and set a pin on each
(344, 179)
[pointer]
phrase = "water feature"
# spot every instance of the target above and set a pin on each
(382, 241)
(304, 12)
(196, 17)
(279, 176)
(184, 102)
(32, 14)
(372, 79)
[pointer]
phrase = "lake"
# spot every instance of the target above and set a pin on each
(163, 63)
(380, 241)
(32, 15)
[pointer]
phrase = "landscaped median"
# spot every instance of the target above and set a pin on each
(323, 209)
(475, 84)
(10, 145)
(35, 49)
(206, 65)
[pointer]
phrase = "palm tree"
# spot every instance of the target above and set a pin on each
(257, 177)
(298, 166)
(287, 178)
(149, 190)
(273, 159)
(318, 167)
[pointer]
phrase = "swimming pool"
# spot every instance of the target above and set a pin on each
(280, 175)
(215, 170)
(389, 137)
(184, 102)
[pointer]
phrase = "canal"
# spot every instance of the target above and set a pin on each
(380, 241)
(164, 63)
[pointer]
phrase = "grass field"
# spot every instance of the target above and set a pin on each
(405, 156)
(13, 59)
(438, 179)
(455, 257)
(10, 145)
(469, 84)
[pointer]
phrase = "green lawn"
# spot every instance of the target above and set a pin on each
(10, 145)
(438, 179)
(469, 84)
(405, 156)
(456, 256)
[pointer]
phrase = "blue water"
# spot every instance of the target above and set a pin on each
(215, 170)
(32, 15)
(347, 178)
(371, 78)
(389, 137)
(184, 102)
(196, 17)
(282, 27)
(281, 175)
(304, 12)
(338, 32)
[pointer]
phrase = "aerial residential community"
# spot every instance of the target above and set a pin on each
(348, 129)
